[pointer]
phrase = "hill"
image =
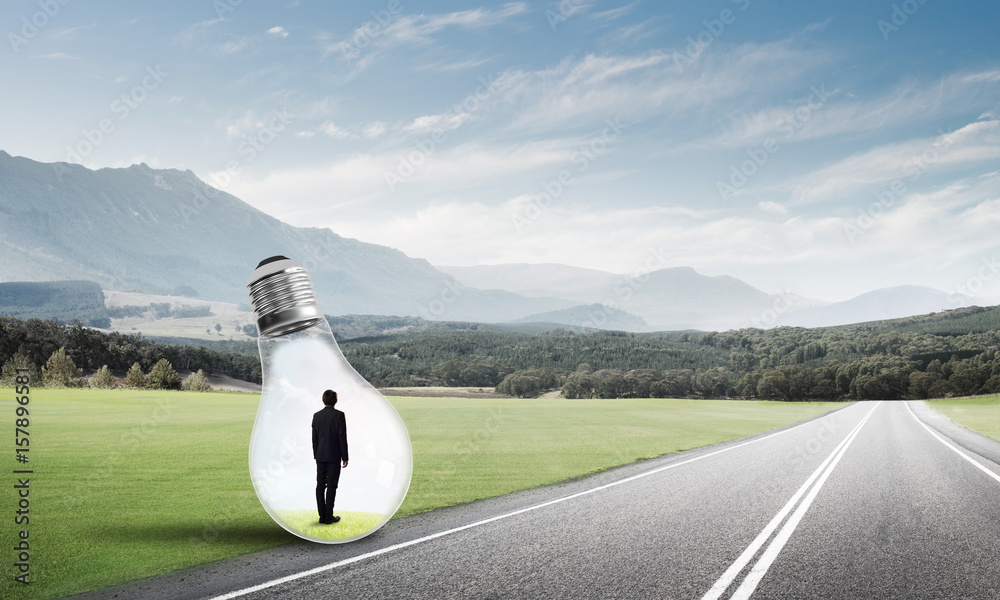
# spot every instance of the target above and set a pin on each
(64, 301)
(594, 316)
(681, 298)
(164, 231)
(886, 303)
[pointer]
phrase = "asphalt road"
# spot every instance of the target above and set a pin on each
(877, 500)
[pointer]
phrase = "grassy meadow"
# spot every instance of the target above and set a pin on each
(980, 414)
(133, 483)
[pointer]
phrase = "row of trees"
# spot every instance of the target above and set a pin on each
(159, 310)
(61, 371)
(940, 355)
(876, 377)
(90, 350)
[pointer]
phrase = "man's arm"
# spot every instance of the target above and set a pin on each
(343, 440)
(315, 436)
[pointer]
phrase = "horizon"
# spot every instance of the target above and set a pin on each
(821, 151)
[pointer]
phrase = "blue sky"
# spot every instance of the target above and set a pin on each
(824, 149)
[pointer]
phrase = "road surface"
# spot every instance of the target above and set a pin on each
(876, 500)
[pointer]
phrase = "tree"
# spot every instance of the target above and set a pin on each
(921, 382)
(579, 385)
(449, 372)
(135, 378)
(103, 378)
(520, 385)
(163, 376)
(21, 359)
(941, 389)
(613, 386)
(197, 382)
(60, 370)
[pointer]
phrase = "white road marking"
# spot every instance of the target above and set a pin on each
(959, 452)
(727, 578)
(401, 545)
(758, 571)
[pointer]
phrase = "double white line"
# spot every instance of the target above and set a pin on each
(809, 489)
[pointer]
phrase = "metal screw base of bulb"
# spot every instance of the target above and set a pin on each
(282, 295)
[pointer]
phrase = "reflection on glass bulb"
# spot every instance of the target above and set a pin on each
(300, 360)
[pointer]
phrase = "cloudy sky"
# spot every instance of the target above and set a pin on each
(824, 149)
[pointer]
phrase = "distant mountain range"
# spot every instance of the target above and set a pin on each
(887, 303)
(164, 231)
(167, 232)
(681, 298)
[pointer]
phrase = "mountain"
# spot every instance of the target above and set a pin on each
(668, 299)
(164, 231)
(64, 301)
(681, 298)
(877, 305)
(539, 280)
(591, 316)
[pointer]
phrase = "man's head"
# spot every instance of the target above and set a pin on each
(329, 397)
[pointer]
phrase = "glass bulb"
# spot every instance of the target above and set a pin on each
(300, 360)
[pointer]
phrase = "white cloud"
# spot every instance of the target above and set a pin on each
(616, 13)
(773, 207)
(305, 134)
(234, 46)
(206, 36)
(277, 32)
(57, 56)
(810, 255)
(876, 169)
(982, 77)
(331, 129)
(250, 122)
(375, 129)
(844, 113)
(458, 65)
(443, 122)
(361, 178)
(661, 82)
(630, 33)
(371, 40)
(67, 33)
(318, 109)
(196, 33)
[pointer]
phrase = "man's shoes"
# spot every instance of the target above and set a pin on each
(333, 520)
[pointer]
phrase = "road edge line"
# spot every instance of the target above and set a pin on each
(401, 545)
(943, 441)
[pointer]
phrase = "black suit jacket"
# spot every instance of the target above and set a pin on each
(329, 433)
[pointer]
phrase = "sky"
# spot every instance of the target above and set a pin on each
(822, 149)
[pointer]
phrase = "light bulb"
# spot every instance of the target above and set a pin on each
(300, 360)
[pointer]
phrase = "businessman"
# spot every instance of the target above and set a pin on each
(329, 433)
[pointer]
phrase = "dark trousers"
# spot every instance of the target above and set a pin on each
(327, 478)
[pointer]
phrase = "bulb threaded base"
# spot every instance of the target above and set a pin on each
(282, 296)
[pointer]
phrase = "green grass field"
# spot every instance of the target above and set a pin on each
(980, 414)
(132, 483)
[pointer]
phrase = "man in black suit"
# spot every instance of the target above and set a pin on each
(329, 433)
